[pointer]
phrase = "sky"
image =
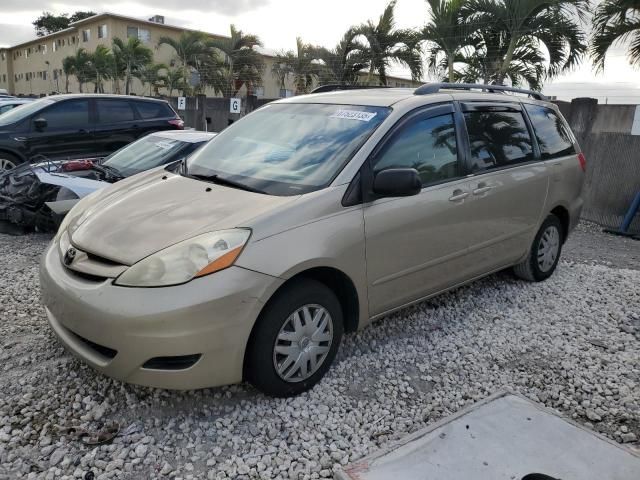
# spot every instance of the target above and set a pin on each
(279, 22)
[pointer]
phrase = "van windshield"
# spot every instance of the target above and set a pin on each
(20, 113)
(287, 149)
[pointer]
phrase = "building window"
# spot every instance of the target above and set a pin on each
(86, 35)
(44, 49)
(285, 93)
(53, 47)
(102, 31)
(44, 75)
(140, 33)
(259, 92)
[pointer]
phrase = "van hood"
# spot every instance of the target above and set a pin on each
(149, 212)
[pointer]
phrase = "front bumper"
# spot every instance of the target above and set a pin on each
(211, 316)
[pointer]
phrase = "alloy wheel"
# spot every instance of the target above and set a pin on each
(548, 248)
(303, 343)
(6, 164)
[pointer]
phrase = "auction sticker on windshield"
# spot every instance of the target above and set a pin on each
(354, 115)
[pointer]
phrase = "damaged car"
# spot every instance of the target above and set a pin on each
(36, 196)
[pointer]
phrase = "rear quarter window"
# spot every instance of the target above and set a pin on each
(553, 135)
(148, 110)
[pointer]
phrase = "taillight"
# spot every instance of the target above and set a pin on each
(177, 123)
(583, 161)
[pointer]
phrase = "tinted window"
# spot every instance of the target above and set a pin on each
(427, 145)
(5, 108)
(288, 148)
(114, 111)
(67, 114)
(553, 135)
(154, 110)
(497, 139)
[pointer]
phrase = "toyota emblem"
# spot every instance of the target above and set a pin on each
(69, 256)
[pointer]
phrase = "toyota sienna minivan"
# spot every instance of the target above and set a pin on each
(309, 218)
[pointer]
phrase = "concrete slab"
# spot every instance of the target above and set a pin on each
(504, 437)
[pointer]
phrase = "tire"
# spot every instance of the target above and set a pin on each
(544, 253)
(8, 161)
(296, 348)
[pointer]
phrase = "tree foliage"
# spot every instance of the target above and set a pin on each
(616, 22)
(48, 23)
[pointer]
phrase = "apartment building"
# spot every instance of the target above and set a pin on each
(35, 67)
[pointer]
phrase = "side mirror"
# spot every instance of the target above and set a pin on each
(397, 182)
(40, 123)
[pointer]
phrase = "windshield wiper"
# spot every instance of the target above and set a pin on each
(113, 171)
(217, 179)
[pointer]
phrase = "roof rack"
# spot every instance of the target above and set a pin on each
(428, 88)
(334, 87)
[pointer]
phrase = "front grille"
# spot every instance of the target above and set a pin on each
(172, 363)
(107, 352)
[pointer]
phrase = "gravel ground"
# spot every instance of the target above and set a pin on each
(572, 343)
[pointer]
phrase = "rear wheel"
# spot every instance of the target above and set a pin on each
(8, 161)
(544, 253)
(295, 339)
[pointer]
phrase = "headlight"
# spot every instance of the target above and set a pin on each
(187, 260)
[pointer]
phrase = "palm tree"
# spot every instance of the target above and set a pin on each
(387, 44)
(174, 79)
(191, 50)
(241, 63)
(78, 65)
(303, 65)
(344, 62)
(616, 21)
(480, 61)
(150, 74)
(447, 34)
(131, 56)
(69, 68)
(552, 24)
(101, 67)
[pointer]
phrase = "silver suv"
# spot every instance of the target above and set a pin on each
(309, 218)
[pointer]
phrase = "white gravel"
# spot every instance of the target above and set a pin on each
(572, 343)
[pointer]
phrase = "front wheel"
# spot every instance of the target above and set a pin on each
(8, 161)
(295, 339)
(544, 253)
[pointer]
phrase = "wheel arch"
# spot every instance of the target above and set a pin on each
(562, 213)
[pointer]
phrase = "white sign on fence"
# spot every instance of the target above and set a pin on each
(235, 105)
(182, 103)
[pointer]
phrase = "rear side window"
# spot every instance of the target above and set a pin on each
(66, 114)
(149, 110)
(428, 145)
(114, 111)
(497, 139)
(553, 135)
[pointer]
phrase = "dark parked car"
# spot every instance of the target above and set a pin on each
(79, 126)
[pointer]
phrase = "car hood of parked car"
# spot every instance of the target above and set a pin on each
(154, 210)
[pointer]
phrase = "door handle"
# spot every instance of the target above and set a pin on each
(83, 131)
(482, 189)
(458, 195)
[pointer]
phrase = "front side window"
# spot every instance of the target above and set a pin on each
(553, 135)
(428, 145)
(19, 114)
(497, 139)
(70, 114)
(114, 111)
(288, 149)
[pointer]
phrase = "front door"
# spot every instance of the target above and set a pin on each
(508, 184)
(417, 245)
(68, 133)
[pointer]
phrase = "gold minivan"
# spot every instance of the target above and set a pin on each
(309, 218)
